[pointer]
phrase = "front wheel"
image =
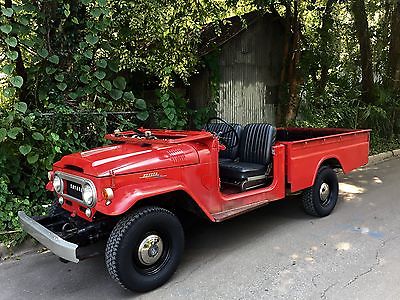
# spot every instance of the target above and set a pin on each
(320, 199)
(144, 249)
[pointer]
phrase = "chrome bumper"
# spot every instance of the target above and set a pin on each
(50, 240)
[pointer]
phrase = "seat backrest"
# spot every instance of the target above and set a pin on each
(256, 143)
(231, 139)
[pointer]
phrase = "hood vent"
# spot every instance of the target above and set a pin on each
(74, 168)
(176, 155)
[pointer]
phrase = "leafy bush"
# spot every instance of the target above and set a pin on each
(174, 110)
(9, 206)
(77, 59)
(26, 153)
(380, 144)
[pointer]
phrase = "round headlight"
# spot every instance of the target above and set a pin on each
(57, 184)
(88, 195)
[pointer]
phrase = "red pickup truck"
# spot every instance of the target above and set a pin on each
(136, 190)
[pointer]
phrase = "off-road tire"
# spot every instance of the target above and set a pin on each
(123, 244)
(311, 197)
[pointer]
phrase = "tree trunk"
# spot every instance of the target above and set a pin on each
(288, 98)
(285, 53)
(385, 40)
(361, 26)
(293, 61)
(394, 50)
(326, 26)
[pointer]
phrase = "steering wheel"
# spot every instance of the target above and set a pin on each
(223, 136)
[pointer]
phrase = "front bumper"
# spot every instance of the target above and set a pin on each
(49, 239)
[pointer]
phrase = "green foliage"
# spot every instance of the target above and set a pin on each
(201, 115)
(174, 111)
(380, 144)
(68, 63)
(25, 157)
(9, 206)
(163, 40)
(338, 104)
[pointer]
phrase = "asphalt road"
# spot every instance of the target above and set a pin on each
(275, 252)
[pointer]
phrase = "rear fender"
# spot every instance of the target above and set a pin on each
(323, 162)
(127, 196)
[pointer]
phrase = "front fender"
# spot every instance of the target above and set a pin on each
(127, 196)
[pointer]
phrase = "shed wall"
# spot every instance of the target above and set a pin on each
(250, 65)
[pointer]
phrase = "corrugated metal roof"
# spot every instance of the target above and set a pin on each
(211, 38)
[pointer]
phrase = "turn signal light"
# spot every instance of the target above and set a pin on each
(88, 212)
(108, 195)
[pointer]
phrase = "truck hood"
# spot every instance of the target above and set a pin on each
(128, 158)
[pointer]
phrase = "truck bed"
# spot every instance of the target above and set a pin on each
(306, 149)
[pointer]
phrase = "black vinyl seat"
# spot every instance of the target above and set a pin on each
(240, 170)
(223, 160)
(255, 157)
(231, 153)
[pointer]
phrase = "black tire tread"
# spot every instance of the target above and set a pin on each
(307, 197)
(308, 203)
(117, 234)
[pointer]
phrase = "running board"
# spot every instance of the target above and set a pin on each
(230, 213)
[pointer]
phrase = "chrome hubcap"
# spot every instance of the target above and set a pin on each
(324, 193)
(150, 250)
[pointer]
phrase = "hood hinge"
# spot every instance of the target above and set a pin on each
(112, 179)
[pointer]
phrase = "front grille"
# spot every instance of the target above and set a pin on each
(73, 186)
(74, 189)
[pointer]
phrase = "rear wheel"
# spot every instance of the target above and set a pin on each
(144, 249)
(320, 199)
